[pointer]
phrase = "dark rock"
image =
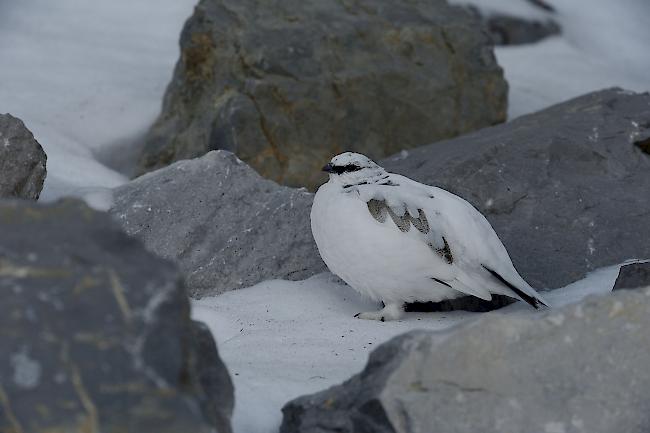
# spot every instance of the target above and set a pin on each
(633, 276)
(225, 225)
(565, 188)
(542, 4)
(507, 29)
(579, 369)
(22, 160)
(466, 303)
(286, 85)
(510, 30)
(210, 377)
(95, 332)
(644, 145)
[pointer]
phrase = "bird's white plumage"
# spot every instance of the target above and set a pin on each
(396, 265)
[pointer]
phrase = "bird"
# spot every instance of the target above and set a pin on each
(399, 241)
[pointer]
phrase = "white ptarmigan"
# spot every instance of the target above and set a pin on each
(398, 241)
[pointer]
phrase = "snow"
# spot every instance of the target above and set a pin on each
(554, 70)
(84, 76)
(284, 339)
(603, 44)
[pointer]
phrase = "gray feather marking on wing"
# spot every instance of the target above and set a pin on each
(444, 252)
(402, 222)
(378, 209)
(421, 223)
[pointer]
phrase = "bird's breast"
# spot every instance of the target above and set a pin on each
(370, 256)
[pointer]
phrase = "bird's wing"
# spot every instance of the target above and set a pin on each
(458, 233)
(410, 208)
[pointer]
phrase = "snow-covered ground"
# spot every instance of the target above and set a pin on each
(283, 339)
(603, 44)
(88, 76)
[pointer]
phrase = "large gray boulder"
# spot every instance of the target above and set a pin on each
(581, 369)
(96, 332)
(566, 188)
(22, 160)
(286, 85)
(225, 225)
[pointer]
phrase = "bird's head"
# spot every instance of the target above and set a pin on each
(353, 168)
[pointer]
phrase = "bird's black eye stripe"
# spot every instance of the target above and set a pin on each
(339, 169)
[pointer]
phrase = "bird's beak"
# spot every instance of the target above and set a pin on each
(329, 168)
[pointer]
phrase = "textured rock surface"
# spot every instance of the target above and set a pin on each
(566, 189)
(509, 30)
(633, 276)
(225, 226)
(209, 375)
(95, 331)
(644, 144)
(582, 369)
(22, 160)
(286, 85)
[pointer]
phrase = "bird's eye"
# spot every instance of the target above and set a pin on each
(345, 168)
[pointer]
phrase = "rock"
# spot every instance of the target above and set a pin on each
(644, 144)
(287, 85)
(517, 30)
(579, 369)
(511, 30)
(542, 4)
(633, 276)
(565, 188)
(96, 332)
(224, 225)
(211, 378)
(22, 160)
(466, 303)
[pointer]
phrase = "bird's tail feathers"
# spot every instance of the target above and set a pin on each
(525, 293)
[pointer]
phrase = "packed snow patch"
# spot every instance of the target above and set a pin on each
(85, 75)
(533, 73)
(283, 339)
(602, 44)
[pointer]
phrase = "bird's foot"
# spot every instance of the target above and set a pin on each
(389, 312)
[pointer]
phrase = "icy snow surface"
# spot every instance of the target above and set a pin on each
(84, 75)
(283, 339)
(603, 44)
